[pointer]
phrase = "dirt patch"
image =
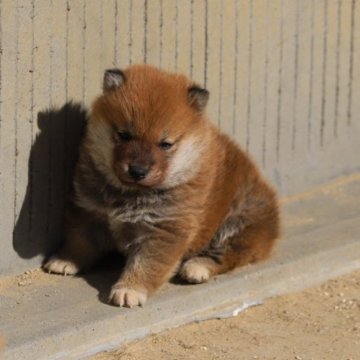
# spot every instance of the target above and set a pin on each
(25, 279)
(320, 323)
(30, 278)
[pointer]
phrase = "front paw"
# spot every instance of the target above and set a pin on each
(126, 296)
(60, 266)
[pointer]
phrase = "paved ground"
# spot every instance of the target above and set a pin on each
(51, 317)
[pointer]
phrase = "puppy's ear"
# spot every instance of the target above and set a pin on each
(113, 79)
(198, 97)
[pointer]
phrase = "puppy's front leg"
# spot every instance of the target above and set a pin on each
(150, 266)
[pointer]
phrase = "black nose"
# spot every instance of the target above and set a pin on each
(137, 172)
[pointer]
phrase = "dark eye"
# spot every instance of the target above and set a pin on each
(125, 135)
(165, 145)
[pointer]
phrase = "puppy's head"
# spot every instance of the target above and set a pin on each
(147, 130)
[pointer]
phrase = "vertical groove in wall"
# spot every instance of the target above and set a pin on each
(311, 78)
(153, 33)
(39, 175)
(183, 37)
(136, 35)
(32, 118)
(331, 71)
(66, 92)
(145, 30)
(351, 64)
(130, 32)
(101, 35)
(248, 108)
(263, 157)
(192, 38)
(337, 74)
(16, 110)
(206, 55)
(161, 37)
(67, 59)
(121, 36)
(301, 84)
(273, 40)
(296, 65)
(84, 25)
(116, 32)
(22, 99)
(176, 22)
(58, 47)
(8, 104)
(287, 102)
(236, 50)
(107, 37)
(199, 42)
(280, 69)
(49, 125)
(50, 45)
(221, 51)
(320, 66)
(227, 60)
(324, 66)
(257, 54)
(168, 35)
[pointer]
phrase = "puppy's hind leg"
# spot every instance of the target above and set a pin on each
(86, 240)
(241, 247)
(77, 255)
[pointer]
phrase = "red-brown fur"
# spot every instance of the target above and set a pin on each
(211, 211)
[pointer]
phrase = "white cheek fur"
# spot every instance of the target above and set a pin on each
(185, 162)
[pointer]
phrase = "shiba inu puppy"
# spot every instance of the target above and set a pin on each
(159, 183)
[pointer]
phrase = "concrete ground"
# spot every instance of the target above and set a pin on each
(53, 317)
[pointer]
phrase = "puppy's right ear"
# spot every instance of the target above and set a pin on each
(113, 79)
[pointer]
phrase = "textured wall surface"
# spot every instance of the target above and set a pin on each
(284, 78)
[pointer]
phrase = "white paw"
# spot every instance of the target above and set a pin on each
(195, 271)
(60, 266)
(122, 296)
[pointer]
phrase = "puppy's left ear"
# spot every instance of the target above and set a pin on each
(113, 79)
(198, 97)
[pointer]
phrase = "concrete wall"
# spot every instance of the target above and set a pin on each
(284, 78)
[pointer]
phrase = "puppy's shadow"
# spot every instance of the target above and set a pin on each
(104, 275)
(39, 226)
(177, 280)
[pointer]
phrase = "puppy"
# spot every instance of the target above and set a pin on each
(159, 183)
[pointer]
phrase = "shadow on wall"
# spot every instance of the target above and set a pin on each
(39, 226)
